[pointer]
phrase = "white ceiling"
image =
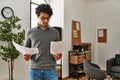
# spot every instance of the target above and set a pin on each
(94, 0)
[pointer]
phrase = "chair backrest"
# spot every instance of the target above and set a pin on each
(93, 72)
(117, 59)
(59, 29)
(117, 55)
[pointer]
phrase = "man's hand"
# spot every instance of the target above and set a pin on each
(27, 57)
(57, 56)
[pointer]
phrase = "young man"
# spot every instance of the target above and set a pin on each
(42, 64)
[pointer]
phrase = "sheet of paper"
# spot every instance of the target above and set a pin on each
(57, 47)
(25, 50)
(100, 33)
(77, 26)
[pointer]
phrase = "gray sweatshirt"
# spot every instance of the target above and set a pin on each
(38, 38)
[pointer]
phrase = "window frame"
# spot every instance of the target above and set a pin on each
(31, 3)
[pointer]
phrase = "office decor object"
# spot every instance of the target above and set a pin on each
(113, 66)
(8, 53)
(76, 60)
(76, 33)
(7, 12)
(93, 71)
(102, 35)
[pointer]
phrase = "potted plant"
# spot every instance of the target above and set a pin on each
(8, 52)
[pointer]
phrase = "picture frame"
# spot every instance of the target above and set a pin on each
(102, 35)
(76, 32)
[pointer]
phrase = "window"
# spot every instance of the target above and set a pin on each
(33, 5)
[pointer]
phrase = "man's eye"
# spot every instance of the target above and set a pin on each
(43, 18)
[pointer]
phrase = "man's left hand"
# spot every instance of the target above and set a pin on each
(57, 56)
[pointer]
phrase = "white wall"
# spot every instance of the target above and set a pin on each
(93, 15)
(104, 14)
(22, 10)
(107, 16)
(58, 13)
(89, 31)
(77, 10)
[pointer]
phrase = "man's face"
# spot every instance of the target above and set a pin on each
(43, 19)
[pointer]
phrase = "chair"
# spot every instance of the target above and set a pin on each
(59, 29)
(113, 66)
(93, 71)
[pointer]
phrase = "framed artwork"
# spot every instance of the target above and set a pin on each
(102, 35)
(76, 33)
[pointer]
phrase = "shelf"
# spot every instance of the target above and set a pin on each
(76, 62)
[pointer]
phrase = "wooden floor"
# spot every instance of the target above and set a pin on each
(86, 78)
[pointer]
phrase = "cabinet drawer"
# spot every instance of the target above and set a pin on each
(81, 56)
(88, 56)
(73, 59)
(76, 59)
(80, 61)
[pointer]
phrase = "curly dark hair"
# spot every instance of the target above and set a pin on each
(45, 8)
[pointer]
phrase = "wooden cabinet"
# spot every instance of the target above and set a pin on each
(76, 62)
(58, 72)
(88, 44)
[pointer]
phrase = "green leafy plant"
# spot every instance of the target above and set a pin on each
(9, 31)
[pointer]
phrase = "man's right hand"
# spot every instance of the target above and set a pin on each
(27, 57)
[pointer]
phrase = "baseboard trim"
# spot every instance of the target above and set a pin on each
(65, 78)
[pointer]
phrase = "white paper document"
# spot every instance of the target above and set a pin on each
(25, 50)
(57, 47)
(100, 33)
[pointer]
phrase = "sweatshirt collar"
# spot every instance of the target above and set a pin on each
(45, 28)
